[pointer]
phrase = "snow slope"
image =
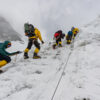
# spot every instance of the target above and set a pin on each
(37, 79)
(28, 79)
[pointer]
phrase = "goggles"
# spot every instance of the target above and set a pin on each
(9, 45)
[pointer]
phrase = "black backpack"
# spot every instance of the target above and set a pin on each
(29, 29)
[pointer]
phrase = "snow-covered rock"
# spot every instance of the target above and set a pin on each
(7, 32)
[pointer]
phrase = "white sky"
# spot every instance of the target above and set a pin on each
(49, 15)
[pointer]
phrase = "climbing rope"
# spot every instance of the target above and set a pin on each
(72, 47)
(61, 76)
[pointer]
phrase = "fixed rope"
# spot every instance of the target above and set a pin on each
(61, 76)
(72, 46)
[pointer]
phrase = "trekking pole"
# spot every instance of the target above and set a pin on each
(15, 58)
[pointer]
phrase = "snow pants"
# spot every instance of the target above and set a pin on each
(6, 58)
(30, 43)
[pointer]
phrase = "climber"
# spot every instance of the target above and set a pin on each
(33, 34)
(4, 55)
(58, 36)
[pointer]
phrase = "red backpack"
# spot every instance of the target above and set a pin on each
(56, 35)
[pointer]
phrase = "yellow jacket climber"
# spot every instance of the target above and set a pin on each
(37, 35)
(71, 34)
(33, 35)
(75, 31)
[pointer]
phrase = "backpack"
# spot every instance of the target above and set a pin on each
(70, 33)
(29, 29)
(56, 35)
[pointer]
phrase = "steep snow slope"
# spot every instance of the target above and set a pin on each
(7, 32)
(82, 79)
(37, 79)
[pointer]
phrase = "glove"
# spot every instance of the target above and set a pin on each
(42, 42)
(63, 35)
(18, 52)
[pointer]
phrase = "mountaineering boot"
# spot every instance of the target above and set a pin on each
(60, 45)
(36, 56)
(26, 55)
(1, 71)
(68, 41)
(54, 46)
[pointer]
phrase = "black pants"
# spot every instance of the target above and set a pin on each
(58, 40)
(7, 58)
(31, 42)
(75, 35)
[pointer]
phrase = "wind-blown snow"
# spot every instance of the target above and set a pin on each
(37, 79)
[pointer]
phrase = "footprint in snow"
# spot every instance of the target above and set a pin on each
(38, 72)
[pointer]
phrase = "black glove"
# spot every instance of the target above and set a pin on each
(63, 35)
(18, 52)
(42, 42)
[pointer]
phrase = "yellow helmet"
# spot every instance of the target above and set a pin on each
(77, 29)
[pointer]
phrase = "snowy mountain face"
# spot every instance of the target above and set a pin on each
(7, 32)
(75, 67)
(49, 16)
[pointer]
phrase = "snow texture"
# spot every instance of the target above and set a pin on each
(37, 79)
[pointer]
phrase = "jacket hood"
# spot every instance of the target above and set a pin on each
(6, 43)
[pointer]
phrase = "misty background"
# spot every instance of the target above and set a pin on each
(48, 15)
